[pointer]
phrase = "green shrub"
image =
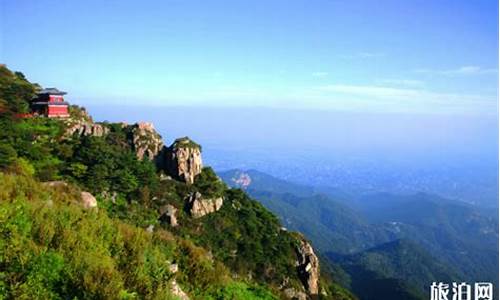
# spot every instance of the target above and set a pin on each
(242, 291)
(209, 184)
(7, 155)
(51, 248)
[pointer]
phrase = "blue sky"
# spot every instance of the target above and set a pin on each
(371, 56)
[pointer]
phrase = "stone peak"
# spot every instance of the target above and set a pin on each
(145, 126)
(185, 142)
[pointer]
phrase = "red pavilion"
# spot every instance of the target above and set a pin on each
(50, 103)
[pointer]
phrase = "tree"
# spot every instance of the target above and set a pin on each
(7, 155)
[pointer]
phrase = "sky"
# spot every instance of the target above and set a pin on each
(391, 56)
(381, 89)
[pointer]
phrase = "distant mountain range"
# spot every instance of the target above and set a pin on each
(402, 261)
(382, 241)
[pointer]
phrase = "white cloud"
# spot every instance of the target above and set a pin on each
(370, 54)
(401, 98)
(351, 97)
(320, 74)
(234, 92)
(370, 91)
(402, 82)
(464, 70)
(363, 55)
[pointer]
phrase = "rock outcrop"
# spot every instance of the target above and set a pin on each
(84, 128)
(199, 206)
(88, 200)
(308, 267)
(173, 268)
(182, 160)
(242, 180)
(145, 141)
(176, 290)
(294, 294)
(142, 137)
(168, 214)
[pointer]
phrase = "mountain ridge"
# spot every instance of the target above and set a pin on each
(442, 228)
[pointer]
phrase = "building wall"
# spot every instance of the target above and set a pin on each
(56, 98)
(58, 111)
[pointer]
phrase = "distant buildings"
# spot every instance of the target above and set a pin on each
(50, 103)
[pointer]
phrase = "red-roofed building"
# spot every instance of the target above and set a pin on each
(50, 103)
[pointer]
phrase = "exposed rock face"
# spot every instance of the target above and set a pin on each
(142, 136)
(183, 160)
(88, 200)
(173, 268)
(145, 141)
(293, 294)
(177, 291)
(242, 180)
(168, 214)
(84, 128)
(198, 206)
(308, 267)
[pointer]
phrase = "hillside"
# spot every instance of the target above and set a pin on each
(448, 238)
(51, 248)
(458, 233)
(317, 215)
(105, 210)
(402, 260)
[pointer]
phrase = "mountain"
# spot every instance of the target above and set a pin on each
(401, 260)
(106, 210)
(448, 233)
(458, 233)
(260, 181)
(317, 215)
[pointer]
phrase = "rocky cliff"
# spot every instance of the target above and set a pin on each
(308, 267)
(168, 214)
(83, 128)
(145, 141)
(199, 206)
(182, 160)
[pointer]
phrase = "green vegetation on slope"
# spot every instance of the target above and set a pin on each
(185, 142)
(51, 248)
(401, 260)
(454, 232)
(331, 225)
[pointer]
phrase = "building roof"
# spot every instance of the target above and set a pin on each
(51, 91)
